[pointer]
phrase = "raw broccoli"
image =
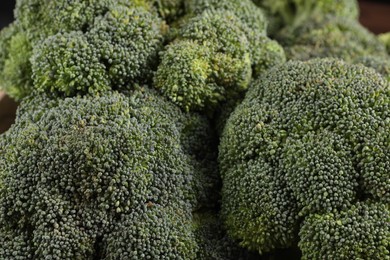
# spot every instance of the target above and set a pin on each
(215, 53)
(79, 46)
(294, 12)
(379, 63)
(309, 139)
(385, 39)
(105, 177)
(348, 234)
(330, 36)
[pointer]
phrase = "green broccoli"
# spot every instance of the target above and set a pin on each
(215, 53)
(330, 36)
(170, 10)
(294, 12)
(385, 39)
(78, 46)
(309, 139)
(348, 234)
(107, 176)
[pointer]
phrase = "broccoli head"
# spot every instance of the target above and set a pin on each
(359, 232)
(293, 12)
(330, 36)
(215, 53)
(107, 176)
(68, 47)
(310, 138)
(385, 39)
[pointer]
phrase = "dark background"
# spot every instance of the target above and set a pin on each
(374, 14)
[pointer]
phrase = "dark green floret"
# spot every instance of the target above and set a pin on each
(229, 46)
(359, 232)
(207, 64)
(104, 176)
(310, 138)
(123, 39)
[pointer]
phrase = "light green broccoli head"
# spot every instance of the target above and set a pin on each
(294, 12)
(359, 232)
(207, 64)
(309, 138)
(264, 52)
(213, 58)
(80, 176)
(330, 36)
(123, 37)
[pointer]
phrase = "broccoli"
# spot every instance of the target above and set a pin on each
(310, 142)
(348, 234)
(215, 53)
(170, 10)
(385, 39)
(73, 47)
(108, 176)
(294, 12)
(330, 36)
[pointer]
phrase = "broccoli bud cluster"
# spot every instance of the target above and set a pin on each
(310, 142)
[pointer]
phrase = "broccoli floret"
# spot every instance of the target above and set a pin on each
(15, 68)
(265, 53)
(330, 36)
(67, 63)
(293, 12)
(359, 232)
(80, 176)
(214, 53)
(207, 64)
(170, 10)
(123, 37)
(309, 138)
(385, 39)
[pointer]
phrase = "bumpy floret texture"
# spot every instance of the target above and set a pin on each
(230, 36)
(330, 36)
(379, 63)
(293, 12)
(209, 63)
(359, 232)
(170, 10)
(123, 37)
(254, 24)
(309, 138)
(104, 177)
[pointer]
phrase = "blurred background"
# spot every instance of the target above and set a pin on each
(375, 14)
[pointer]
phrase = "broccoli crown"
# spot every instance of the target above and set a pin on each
(214, 53)
(329, 36)
(348, 234)
(209, 62)
(309, 138)
(385, 39)
(80, 46)
(293, 12)
(105, 176)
